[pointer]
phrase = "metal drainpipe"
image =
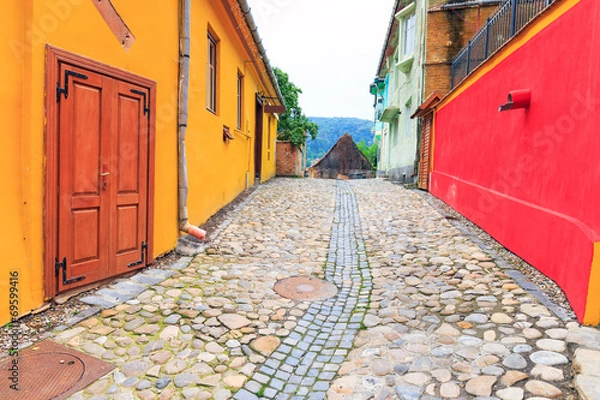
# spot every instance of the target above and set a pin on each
(422, 92)
(184, 72)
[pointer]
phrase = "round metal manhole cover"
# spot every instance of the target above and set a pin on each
(305, 288)
(46, 375)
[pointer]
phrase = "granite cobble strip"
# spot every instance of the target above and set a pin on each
(323, 337)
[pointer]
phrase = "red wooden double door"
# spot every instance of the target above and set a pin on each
(100, 161)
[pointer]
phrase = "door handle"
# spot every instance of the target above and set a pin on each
(103, 175)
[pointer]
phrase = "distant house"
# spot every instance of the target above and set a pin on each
(344, 160)
(398, 86)
(422, 39)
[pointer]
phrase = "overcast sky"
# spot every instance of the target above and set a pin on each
(329, 48)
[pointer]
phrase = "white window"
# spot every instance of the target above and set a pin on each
(407, 21)
(408, 45)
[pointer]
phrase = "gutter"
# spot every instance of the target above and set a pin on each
(466, 4)
(184, 74)
(261, 49)
(387, 38)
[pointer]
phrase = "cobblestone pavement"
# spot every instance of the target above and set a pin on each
(421, 311)
(304, 365)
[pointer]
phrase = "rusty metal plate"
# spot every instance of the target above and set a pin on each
(305, 288)
(49, 371)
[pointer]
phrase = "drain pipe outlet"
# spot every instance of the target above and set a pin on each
(184, 72)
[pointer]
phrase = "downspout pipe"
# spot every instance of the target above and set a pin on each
(184, 73)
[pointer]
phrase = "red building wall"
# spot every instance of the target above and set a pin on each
(531, 177)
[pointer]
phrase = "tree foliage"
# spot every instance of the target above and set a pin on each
(293, 125)
(369, 151)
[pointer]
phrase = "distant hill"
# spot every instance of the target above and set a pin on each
(331, 129)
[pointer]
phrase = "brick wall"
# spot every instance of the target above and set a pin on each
(288, 159)
(447, 33)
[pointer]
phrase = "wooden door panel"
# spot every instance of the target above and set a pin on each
(86, 226)
(85, 142)
(127, 238)
(128, 146)
(83, 205)
(131, 165)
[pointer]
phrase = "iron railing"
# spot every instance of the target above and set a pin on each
(499, 28)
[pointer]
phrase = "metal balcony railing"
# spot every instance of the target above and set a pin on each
(499, 28)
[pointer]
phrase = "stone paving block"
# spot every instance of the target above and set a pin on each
(317, 396)
(114, 295)
(147, 279)
(261, 378)
(129, 287)
(587, 362)
(83, 315)
(99, 301)
(159, 273)
(178, 266)
(267, 371)
(277, 383)
(588, 387)
(252, 387)
(245, 395)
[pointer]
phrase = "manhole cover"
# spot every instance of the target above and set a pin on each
(305, 288)
(49, 370)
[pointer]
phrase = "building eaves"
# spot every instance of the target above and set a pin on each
(465, 4)
(386, 44)
(251, 24)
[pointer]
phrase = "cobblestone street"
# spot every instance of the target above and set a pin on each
(421, 312)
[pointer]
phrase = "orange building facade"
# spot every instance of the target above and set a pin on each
(90, 98)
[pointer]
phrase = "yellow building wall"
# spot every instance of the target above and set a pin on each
(15, 227)
(217, 170)
(211, 160)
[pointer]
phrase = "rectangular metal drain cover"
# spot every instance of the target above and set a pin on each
(49, 371)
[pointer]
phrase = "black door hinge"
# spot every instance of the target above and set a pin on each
(58, 265)
(143, 94)
(143, 251)
(65, 90)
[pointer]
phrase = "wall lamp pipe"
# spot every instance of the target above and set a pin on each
(517, 99)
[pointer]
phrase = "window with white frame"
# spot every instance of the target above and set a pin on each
(407, 21)
(409, 27)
